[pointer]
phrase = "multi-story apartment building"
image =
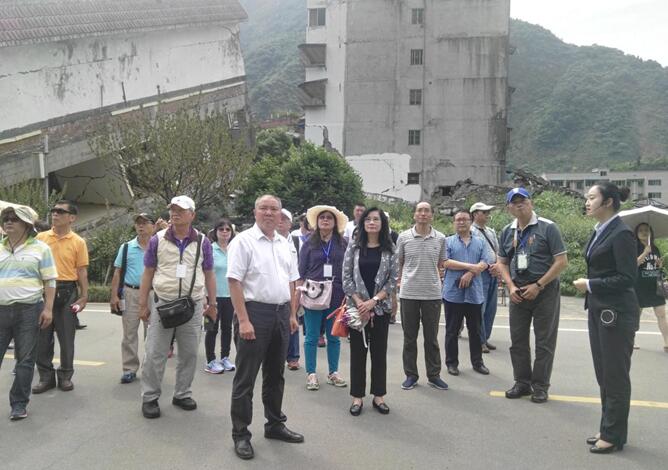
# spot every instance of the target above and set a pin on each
(413, 93)
(643, 184)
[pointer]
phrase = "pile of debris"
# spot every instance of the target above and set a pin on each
(465, 192)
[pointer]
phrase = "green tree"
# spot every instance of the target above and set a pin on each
(309, 176)
(30, 193)
(179, 153)
(273, 142)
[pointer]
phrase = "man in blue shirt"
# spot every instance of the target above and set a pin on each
(467, 258)
(125, 297)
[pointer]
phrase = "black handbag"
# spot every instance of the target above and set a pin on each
(179, 311)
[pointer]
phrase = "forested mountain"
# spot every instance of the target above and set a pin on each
(573, 107)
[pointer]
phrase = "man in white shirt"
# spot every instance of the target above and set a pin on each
(261, 273)
(350, 226)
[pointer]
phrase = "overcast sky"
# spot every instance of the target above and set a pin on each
(637, 27)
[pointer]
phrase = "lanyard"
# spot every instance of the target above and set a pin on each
(523, 238)
(326, 252)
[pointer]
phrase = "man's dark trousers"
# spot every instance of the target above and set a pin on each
(429, 312)
(268, 349)
(454, 315)
(544, 311)
(64, 322)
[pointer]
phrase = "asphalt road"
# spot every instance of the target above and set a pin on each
(99, 424)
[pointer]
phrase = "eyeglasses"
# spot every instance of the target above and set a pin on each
(59, 211)
(224, 229)
(10, 218)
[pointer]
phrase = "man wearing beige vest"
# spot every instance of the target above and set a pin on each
(169, 262)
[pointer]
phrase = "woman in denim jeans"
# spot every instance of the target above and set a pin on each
(320, 259)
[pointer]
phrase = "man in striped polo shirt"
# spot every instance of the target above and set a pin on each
(421, 252)
(27, 289)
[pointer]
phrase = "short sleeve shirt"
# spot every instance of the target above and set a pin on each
(135, 264)
(23, 271)
(421, 256)
(220, 268)
(69, 252)
(264, 267)
(476, 251)
(541, 240)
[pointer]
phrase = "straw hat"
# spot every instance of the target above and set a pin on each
(313, 213)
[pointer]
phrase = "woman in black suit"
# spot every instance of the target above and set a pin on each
(613, 311)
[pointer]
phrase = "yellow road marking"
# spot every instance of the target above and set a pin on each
(592, 400)
(76, 362)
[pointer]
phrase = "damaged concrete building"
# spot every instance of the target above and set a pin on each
(69, 66)
(413, 93)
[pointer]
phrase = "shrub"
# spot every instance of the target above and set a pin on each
(99, 293)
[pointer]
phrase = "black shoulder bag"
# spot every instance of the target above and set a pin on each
(179, 311)
(121, 282)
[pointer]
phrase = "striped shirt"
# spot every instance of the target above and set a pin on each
(420, 256)
(22, 273)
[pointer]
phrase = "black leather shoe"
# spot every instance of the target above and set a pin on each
(592, 440)
(65, 385)
(519, 390)
(282, 433)
(604, 450)
(539, 396)
(485, 349)
(43, 387)
(356, 409)
(490, 346)
(481, 369)
(244, 449)
(187, 404)
(150, 409)
(381, 407)
(452, 370)
(80, 326)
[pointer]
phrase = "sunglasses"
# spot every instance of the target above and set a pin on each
(224, 229)
(10, 218)
(58, 210)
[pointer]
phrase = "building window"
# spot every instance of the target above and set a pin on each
(413, 178)
(603, 173)
(446, 191)
(619, 183)
(653, 182)
(557, 182)
(415, 97)
(579, 185)
(413, 137)
(316, 17)
(417, 16)
(654, 195)
(416, 57)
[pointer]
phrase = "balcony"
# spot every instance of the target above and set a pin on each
(312, 94)
(313, 55)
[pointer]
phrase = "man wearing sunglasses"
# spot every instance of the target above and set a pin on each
(71, 256)
(27, 288)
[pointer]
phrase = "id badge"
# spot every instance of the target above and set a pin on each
(327, 270)
(180, 271)
(522, 261)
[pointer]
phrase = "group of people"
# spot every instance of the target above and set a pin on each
(255, 288)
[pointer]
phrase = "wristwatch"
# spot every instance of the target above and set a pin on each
(375, 297)
(540, 286)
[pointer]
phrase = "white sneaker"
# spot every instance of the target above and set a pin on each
(312, 382)
(214, 367)
(226, 364)
(336, 380)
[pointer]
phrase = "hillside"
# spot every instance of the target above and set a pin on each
(573, 108)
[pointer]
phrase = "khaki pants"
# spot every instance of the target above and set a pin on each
(131, 321)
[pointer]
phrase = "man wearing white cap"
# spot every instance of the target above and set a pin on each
(27, 289)
(283, 230)
(178, 263)
(490, 284)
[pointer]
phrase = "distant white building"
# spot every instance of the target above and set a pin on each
(414, 93)
(643, 184)
(70, 66)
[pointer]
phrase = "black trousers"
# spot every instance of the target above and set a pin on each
(64, 326)
(429, 313)
(268, 349)
(224, 322)
(376, 338)
(544, 312)
(611, 350)
(454, 316)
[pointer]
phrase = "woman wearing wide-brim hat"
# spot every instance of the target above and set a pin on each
(321, 259)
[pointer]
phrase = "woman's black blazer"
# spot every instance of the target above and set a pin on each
(612, 271)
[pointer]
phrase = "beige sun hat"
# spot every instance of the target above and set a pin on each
(313, 213)
(25, 213)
